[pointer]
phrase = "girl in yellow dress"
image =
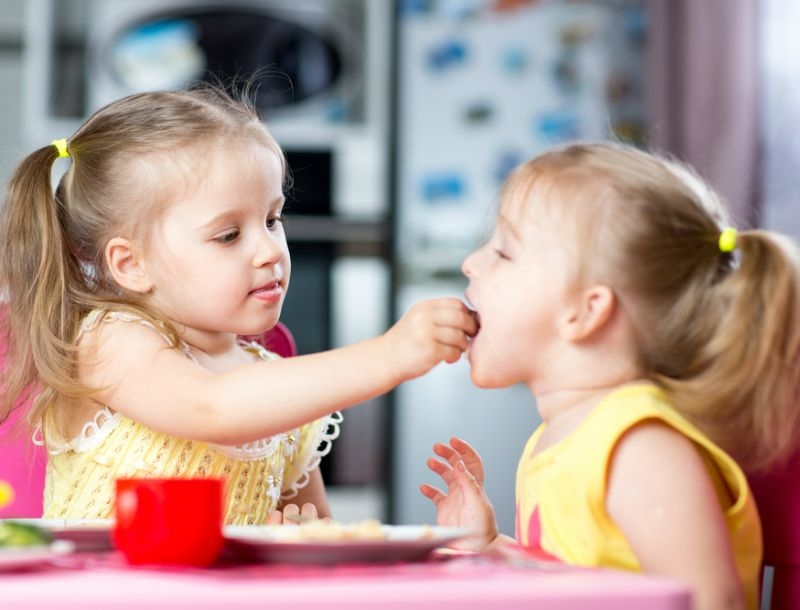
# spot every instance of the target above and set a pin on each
(128, 287)
(661, 347)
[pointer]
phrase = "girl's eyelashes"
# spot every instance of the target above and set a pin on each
(273, 222)
(501, 254)
(227, 237)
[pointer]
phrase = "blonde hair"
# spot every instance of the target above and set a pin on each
(719, 331)
(52, 261)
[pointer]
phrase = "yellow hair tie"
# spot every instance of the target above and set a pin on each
(727, 240)
(61, 147)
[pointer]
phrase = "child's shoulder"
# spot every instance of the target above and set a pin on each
(636, 417)
(124, 330)
(632, 404)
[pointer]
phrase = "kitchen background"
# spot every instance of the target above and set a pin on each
(400, 120)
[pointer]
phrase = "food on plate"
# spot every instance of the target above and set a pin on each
(321, 530)
(16, 534)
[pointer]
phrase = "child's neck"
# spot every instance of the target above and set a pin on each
(582, 373)
(210, 343)
(564, 410)
(568, 404)
(216, 351)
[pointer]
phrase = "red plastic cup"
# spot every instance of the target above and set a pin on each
(169, 521)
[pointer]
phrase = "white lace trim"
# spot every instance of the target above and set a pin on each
(328, 433)
(91, 435)
(105, 420)
(253, 451)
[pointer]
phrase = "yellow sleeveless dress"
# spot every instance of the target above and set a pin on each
(81, 473)
(561, 491)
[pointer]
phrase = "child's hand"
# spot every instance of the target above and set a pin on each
(293, 514)
(465, 504)
(430, 332)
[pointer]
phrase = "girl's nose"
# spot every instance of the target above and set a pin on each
(468, 266)
(270, 250)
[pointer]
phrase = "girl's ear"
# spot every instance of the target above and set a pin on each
(588, 314)
(125, 266)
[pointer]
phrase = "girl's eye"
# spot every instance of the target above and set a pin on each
(227, 238)
(502, 255)
(273, 222)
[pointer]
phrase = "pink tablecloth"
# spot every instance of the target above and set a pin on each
(86, 581)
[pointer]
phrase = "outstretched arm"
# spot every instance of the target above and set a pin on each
(164, 390)
(465, 503)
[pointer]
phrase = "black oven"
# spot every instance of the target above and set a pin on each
(341, 281)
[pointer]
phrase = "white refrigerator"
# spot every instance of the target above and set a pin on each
(481, 87)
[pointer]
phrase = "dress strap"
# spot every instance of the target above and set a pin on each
(99, 315)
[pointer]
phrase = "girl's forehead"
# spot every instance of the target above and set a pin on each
(529, 204)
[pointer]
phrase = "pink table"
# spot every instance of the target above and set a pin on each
(85, 581)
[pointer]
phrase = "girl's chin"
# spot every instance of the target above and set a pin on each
(480, 378)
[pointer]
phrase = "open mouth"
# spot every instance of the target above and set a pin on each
(477, 317)
(474, 313)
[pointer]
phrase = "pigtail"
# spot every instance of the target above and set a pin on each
(53, 269)
(743, 385)
(715, 315)
(34, 271)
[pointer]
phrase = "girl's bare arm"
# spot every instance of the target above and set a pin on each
(162, 389)
(661, 497)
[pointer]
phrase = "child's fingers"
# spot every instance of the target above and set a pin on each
(447, 452)
(275, 518)
(446, 312)
(454, 337)
(432, 493)
(452, 355)
(460, 451)
(464, 477)
(462, 446)
(291, 512)
(309, 511)
(471, 457)
(442, 469)
(460, 319)
(454, 455)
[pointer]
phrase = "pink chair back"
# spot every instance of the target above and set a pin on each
(23, 464)
(777, 496)
(278, 339)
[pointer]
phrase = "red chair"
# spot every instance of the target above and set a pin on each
(777, 496)
(22, 464)
(278, 339)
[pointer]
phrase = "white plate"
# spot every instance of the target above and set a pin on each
(84, 534)
(279, 544)
(24, 557)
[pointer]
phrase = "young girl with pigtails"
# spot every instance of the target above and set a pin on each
(128, 287)
(662, 347)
